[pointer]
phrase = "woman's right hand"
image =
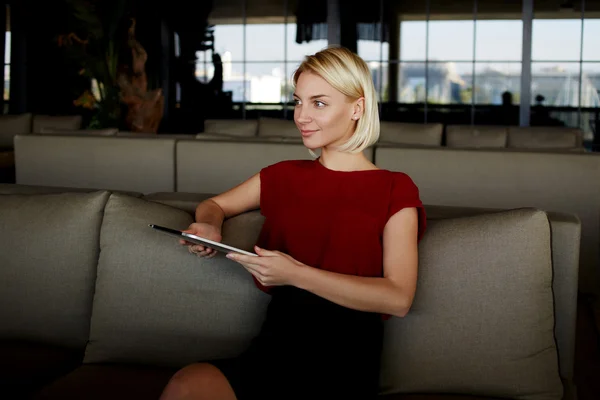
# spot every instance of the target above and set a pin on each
(206, 231)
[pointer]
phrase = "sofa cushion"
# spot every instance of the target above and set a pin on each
(544, 137)
(275, 127)
(66, 122)
(79, 132)
(26, 367)
(107, 162)
(48, 253)
(469, 136)
(11, 125)
(156, 303)
(412, 134)
(482, 320)
(214, 167)
(115, 382)
(15, 188)
(232, 127)
(181, 200)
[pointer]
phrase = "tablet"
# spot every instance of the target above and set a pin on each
(200, 240)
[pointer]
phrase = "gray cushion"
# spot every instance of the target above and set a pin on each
(15, 188)
(11, 125)
(404, 133)
(48, 254)
(544, 137)
(482, 320)
(156, 303)
(232, 127)
(275, 127)
(107, 162)
(78, 132)
(181, 200)
(66, 122)
(214, 167)
(468, 136)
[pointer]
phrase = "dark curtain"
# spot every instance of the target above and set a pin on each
(311, 20)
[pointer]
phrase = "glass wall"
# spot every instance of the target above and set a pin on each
(465, 57)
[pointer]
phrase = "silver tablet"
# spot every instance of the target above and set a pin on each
(200, 240)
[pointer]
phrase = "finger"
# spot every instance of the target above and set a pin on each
(242, 258)
(264, 252)
(197, 248)
(259, 269)
(202, 253)
(259, 277)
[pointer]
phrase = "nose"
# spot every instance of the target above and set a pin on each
(302, 115)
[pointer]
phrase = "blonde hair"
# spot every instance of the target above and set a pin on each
(350, 75)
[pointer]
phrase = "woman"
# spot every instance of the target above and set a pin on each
(338, 250)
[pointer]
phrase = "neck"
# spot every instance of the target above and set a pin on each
(339, 161)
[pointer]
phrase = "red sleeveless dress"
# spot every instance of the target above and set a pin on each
(332, 220)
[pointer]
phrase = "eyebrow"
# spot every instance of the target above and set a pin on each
(313, 97)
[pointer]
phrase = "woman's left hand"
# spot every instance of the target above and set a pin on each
(270, 268)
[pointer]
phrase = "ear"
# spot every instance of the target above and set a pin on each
(358, 109)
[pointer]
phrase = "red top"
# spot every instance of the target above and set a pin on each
(329, 219)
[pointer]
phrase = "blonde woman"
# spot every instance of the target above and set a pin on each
(338, 251)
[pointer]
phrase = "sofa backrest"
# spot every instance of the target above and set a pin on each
(544, 137)
(498, 179)
(48, 256)
(66, 122)
(405, 133)
(80, 132)
(277, 127)
(232, 127)
(216, 166)
(139, 165)
(11, 125)
(478, 136)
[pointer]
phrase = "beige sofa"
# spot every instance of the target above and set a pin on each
(563, 182)
(96, 305)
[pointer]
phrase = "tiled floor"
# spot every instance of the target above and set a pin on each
(587, 349)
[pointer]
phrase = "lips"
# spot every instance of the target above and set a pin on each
(307, 132)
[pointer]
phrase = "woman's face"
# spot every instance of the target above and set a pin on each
(323, 115)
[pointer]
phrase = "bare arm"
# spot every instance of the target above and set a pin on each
(394, 292)
(391, 294)
(211, 213)
(243, 197)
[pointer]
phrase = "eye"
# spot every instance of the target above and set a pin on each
(319, 104)
(297, 102)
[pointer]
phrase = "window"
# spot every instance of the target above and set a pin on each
(459, 61)
(555, 69)
(258, 49)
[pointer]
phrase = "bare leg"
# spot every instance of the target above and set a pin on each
(199, 381)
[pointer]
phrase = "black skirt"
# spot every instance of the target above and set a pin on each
(309, 348)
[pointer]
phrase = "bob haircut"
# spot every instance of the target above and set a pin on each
(350, 75)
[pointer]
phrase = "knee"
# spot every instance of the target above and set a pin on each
(184, 384)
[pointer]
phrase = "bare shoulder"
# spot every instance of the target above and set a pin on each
(247, 195)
